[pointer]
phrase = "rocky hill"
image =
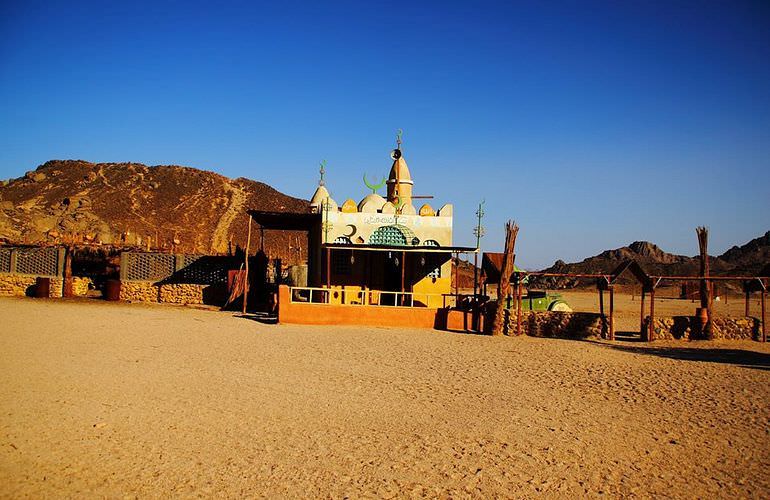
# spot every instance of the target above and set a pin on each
(135, 205)
(748, 259)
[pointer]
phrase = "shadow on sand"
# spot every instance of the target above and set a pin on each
(260, 317)
(737, 357)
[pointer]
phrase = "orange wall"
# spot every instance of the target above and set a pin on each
(338, 314)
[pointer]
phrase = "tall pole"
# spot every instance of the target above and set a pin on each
(246, 267)
(479, 232)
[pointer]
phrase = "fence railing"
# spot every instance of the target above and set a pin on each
(181, 268)
(360, 297)
(32, 261)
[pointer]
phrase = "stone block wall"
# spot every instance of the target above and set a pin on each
(554, 324)
(139, 291)
(16, 285)
(182, 293)
(80, 286)
(573, 325)
(688, 328)
(173, 293)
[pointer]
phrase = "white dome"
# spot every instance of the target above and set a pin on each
(372, 203)
(321, 196)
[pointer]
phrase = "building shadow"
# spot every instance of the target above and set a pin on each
(259, 317)
(736, 357)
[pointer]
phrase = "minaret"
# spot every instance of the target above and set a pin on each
(400, 180)
(321, 195)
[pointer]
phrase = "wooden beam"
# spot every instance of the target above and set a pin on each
(612, 313)
(601, 309)
(641, 322)
(246, 267)
(651, 335)
(747, 299)
(762, 301)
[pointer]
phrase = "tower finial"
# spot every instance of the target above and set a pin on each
(399, 133)
(322, 170)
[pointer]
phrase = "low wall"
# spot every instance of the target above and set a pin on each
(21, 285)
(557, 324)
(173, 293)
(337, 314)
(688, 328)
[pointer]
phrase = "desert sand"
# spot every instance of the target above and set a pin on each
(100, 399)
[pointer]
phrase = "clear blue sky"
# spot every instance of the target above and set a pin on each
(590, 124)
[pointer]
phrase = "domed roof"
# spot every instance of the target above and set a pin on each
(371, 203)
(321, 196)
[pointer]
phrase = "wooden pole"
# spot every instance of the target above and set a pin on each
(246, 267)
(762, 301)
(506, 269)
(746, 289)
(651, 335)
(403, 276)
(601, 308)
(641, 319)
(328, 267)
(67, 288)
(518, 304)
(612, 313)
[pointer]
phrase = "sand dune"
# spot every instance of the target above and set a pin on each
(132, 400)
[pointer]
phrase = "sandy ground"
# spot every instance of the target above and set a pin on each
(101, 399)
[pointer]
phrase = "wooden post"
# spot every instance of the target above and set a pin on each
(746, 290)
(518, 304)
(612, 313)
(457, 279)
(641, 322)
(651, 335)
(328, 267)
(601, 306)
(403, 276)
(67, 290)
(762, 301)
(506, 269)
(246, 267)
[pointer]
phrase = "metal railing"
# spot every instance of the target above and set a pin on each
(343, 296)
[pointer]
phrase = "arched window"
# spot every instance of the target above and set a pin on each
(430, 243)
(342, 240)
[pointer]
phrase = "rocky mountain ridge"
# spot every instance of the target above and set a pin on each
(191, 210)
(749, 259)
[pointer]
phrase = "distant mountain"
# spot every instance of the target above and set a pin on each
(751, 257)
(748, 259)
(131, 203)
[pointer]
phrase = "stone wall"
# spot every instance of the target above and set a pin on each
(80, 286)
(555, 324)
(173, 293)
(182, 293)
(21, 285)
(688, 328)
(574, 325)
(139, 291)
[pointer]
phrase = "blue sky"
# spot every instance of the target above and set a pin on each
(592, 124)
